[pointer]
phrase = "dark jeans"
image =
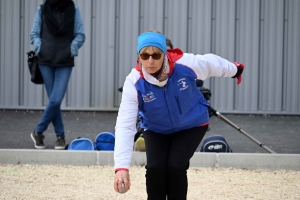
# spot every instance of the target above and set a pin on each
(56, 82)
(168, 158)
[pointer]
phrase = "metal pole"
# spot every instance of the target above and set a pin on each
(241, 130)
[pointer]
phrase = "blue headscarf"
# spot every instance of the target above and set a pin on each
(152, 39)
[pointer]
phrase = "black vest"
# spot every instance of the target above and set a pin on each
(55, 49)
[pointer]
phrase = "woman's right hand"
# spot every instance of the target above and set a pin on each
(122, 176)
(37, 46)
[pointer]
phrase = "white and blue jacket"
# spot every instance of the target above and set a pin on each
(176, 106)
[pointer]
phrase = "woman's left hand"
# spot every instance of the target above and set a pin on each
(122, 176)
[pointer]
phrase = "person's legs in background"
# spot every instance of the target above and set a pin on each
(56, 83)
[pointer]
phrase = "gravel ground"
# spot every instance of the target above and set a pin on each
(96, 182)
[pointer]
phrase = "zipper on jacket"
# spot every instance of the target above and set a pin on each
(164, 88)
(178, 104)
(55, 52)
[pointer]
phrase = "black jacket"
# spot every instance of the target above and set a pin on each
(55, 49)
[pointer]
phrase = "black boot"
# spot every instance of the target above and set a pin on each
(156, 184)
(177, 184)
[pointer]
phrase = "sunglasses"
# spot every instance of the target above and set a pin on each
(146, 56)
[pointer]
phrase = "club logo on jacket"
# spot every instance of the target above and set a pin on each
(182, 84)
(148, 97)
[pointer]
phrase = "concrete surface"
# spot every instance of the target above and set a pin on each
(279, 133)
(105, 158)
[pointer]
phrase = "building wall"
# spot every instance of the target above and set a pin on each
(262, 34)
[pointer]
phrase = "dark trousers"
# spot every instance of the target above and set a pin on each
(168, 158)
